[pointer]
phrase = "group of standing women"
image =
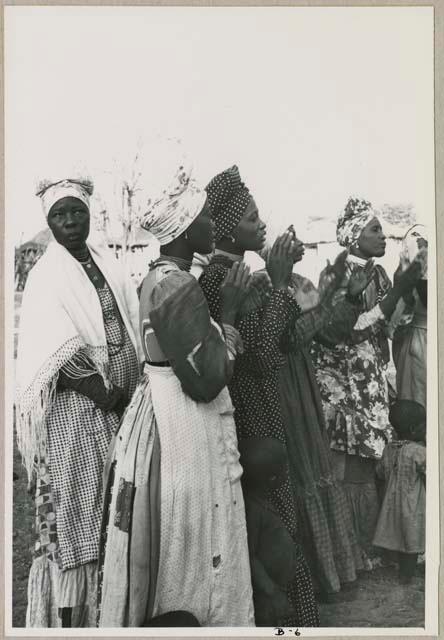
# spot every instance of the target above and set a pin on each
(229, 481)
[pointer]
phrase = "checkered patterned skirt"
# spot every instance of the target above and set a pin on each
(69, 485)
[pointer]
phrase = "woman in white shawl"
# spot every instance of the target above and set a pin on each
(78, 365)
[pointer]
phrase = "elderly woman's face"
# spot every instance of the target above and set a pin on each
(200, 233)
(250, 233)
(371, 242)
(68, 219)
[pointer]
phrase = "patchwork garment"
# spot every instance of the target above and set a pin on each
(174, 533)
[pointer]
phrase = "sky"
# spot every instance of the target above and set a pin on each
(313, 104)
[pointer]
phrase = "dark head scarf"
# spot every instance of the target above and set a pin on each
(228, 198)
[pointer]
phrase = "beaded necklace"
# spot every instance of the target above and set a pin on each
(114, 348)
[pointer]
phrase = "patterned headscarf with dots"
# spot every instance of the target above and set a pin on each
(228, 198)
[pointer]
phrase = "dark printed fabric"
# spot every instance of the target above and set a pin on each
(124, 504)
(255, 395)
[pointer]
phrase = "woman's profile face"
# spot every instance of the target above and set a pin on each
(372, 240)
(68, 220)
(250, 233)
(200, 233)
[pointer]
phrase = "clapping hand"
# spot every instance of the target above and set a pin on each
(360, 279)
(280, 261)
(339, 267)
(408, 279)
(333, 275)
(258, 293)
(298, 246)
(233, 290)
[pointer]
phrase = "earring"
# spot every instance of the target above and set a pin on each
(232, 239)
(186, 235)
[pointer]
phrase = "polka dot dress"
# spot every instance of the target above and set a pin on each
(255, 396)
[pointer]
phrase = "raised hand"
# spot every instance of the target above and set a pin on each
(233, 290)
(339, 267)
(258, 293)
(298, 246)
(280, 261)
(409, 278)
(360, 279)
(332, 276)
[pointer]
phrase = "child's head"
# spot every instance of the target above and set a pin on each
(264, 462)
(408, 418)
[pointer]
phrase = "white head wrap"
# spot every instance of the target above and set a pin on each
(172, 212)
(51, 192)
(353, 219)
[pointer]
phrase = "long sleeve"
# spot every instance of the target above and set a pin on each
(93, 387)
(174, 314)
(319, 319)
(369, 318)
(264, 331)
(340, 324)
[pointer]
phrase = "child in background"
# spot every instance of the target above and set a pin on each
(401, 524)
(272, 550)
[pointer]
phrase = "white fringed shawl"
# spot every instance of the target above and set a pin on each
(61, 322)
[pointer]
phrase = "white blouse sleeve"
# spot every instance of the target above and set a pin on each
(369, 318)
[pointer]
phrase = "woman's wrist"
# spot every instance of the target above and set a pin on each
(280, 286)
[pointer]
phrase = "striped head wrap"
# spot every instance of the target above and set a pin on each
(228, 198)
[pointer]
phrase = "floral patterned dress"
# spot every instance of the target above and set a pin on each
(353, 385)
